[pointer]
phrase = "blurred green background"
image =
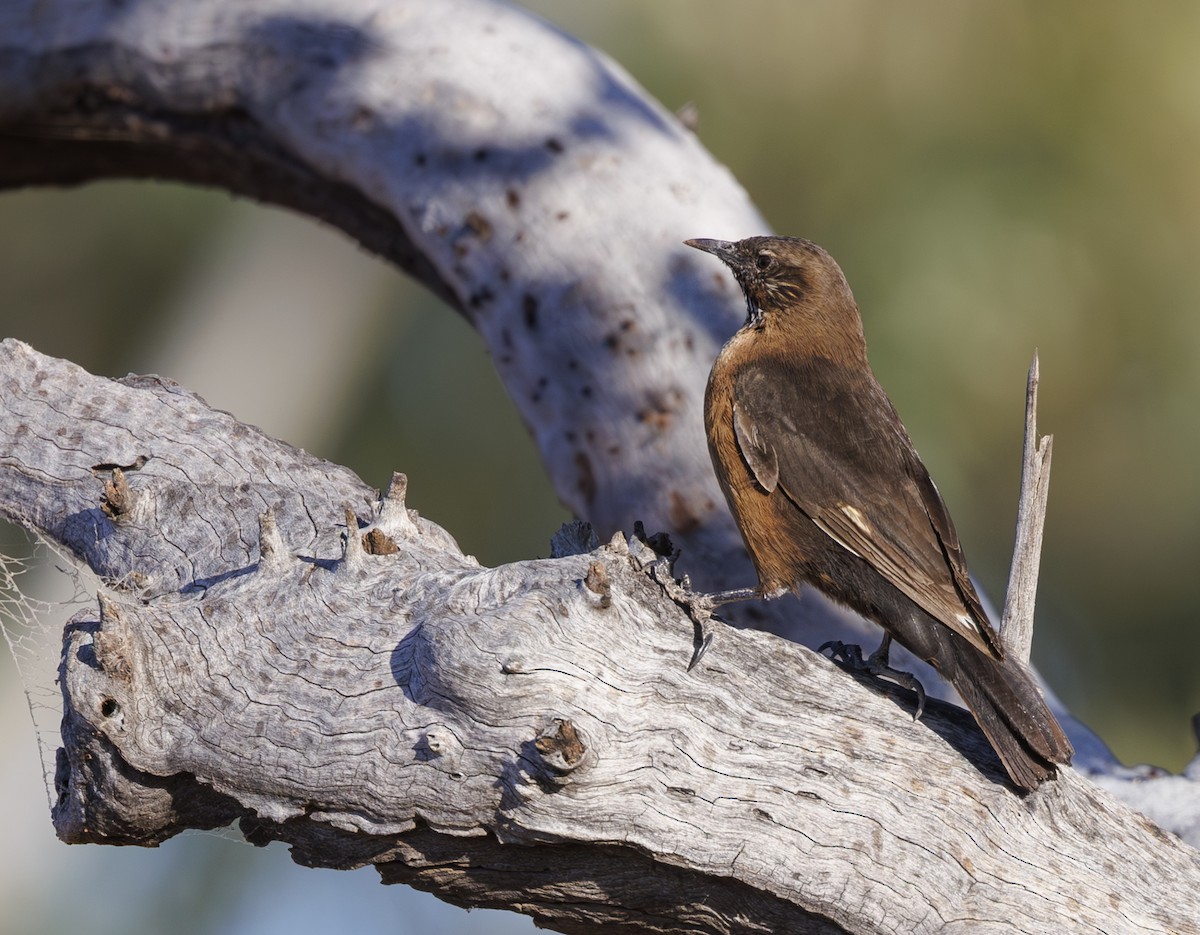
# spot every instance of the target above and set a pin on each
(993, 177)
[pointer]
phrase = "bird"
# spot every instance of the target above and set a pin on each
(827, 490)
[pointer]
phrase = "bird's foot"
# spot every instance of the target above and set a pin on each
(698, 606)
(876, 665)
(662, 571)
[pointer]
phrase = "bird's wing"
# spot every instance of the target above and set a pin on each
(838, 451)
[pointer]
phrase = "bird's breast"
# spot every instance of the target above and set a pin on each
(764, 518)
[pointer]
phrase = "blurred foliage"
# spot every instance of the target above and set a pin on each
(993, 177)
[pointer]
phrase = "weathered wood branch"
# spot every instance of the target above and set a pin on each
(1019, 598)
(338, 675)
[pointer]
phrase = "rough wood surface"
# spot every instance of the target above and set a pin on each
(1019, 599)
(280, 645)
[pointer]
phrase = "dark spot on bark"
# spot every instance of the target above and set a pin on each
(562, 215)
(656, 417)
(554, 145)
(587, 478)
(480, 226)
(482, 297)
(109, 707)
(628, 324)
(529, 305)
(689, 341)
(513, 197)
(661, 408)
(481, 154)
(683, 517)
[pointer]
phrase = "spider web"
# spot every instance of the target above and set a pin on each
(41, 587)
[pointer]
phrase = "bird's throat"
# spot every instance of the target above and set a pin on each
(754, 315)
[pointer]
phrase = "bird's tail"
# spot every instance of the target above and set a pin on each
(1009, 707)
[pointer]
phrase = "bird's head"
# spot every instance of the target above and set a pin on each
(789, 283)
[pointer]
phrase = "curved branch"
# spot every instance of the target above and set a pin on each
(442, 150)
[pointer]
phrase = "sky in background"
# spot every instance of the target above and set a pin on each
(992, 177)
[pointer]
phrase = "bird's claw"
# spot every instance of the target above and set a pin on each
(849, 653)
(876, 665)
(703, 641)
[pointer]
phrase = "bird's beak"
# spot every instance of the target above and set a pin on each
(722, 249)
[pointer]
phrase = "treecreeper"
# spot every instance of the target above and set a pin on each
(828, 490)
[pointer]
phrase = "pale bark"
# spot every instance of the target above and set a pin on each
(386, 709)
(1019, 598)
(524, 736)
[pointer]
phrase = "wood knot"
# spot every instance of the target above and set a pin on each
(378, 542)
(597, 582)
(110, 643)
(118, 499)
(560, 746)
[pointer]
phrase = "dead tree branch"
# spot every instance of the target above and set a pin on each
(281, 646)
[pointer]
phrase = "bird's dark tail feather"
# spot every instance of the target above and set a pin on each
(1009, 707)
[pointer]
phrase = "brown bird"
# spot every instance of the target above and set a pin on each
(827, 490)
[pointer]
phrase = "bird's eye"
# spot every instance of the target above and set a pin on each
(764, 261)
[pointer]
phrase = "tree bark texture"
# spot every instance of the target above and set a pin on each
(280, 645)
